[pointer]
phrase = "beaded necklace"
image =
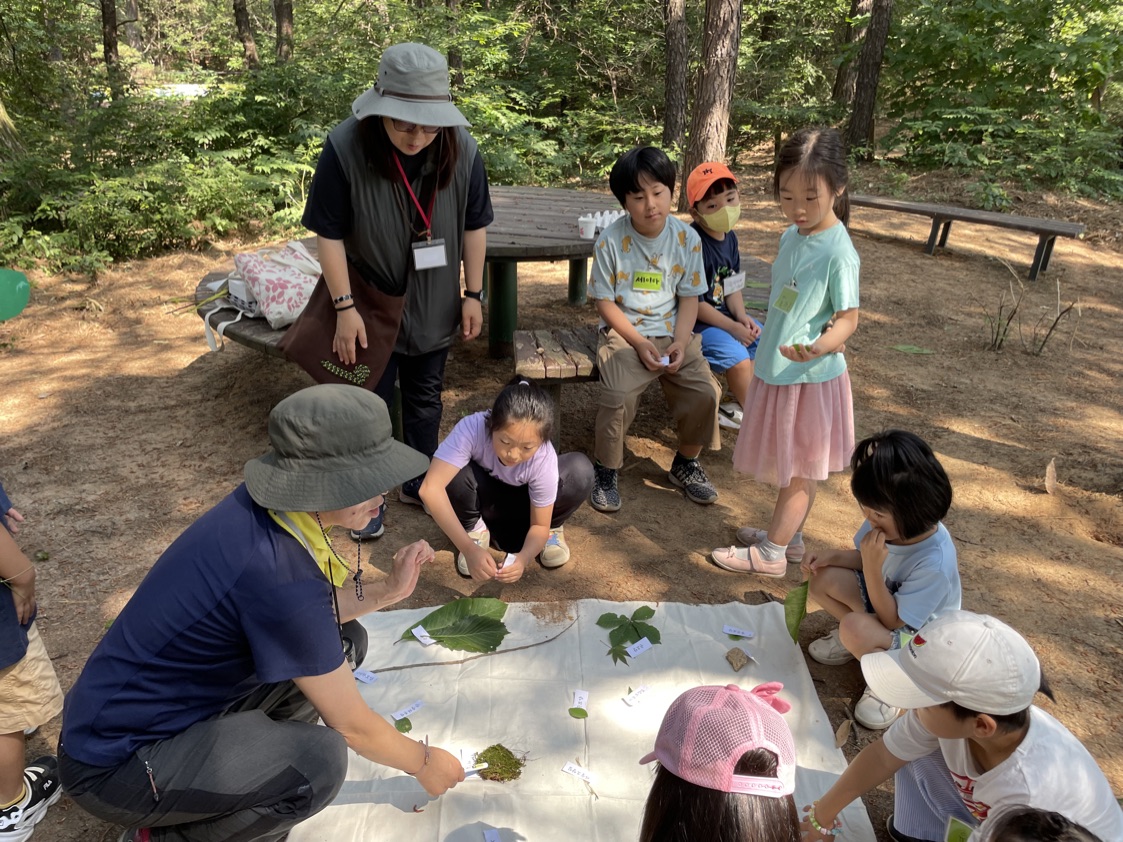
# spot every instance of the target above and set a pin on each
(358, 578)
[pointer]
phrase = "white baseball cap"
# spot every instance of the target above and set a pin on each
(974, 660)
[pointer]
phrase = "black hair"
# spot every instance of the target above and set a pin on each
(896, 472)
(378, 150)
(1028, 824)
(679, 811)
(1006, 722)
(522, 400)
(718, 187)
(643, 160)
(817, 152)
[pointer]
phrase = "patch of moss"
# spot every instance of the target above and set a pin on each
(502, 765)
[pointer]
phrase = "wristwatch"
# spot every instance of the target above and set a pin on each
(477, 294)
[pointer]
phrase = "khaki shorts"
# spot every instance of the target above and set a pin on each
(30, 695)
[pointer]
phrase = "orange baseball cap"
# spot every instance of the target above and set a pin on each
(703, 176)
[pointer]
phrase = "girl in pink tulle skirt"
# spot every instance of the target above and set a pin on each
(799, 417)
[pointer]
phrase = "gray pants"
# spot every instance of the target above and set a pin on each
(248, 775)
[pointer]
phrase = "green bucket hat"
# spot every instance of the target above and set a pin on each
(412, 86)
(333, 447)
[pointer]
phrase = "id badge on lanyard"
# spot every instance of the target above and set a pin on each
(429, 254)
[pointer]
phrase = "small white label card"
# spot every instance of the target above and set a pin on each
(734, 283)
(581, 699)
(636, 696)
(491, 835)
(422, 635)
(664, 361)
(404, 712)
(572, 768)
(639, 648)
(728, 629)
(429, 255)
(365, 676)
(508, 561)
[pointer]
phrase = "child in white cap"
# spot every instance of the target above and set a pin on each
(972, 742)
(726, 768)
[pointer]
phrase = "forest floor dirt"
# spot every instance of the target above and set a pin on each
(120, 429)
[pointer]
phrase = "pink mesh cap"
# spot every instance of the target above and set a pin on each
(706, 731)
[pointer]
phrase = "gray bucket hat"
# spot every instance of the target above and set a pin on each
(412, 86)
(333, 447)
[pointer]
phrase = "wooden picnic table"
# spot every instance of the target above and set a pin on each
(531, 224)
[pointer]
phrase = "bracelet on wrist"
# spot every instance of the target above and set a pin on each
(350, 306)
(424, 744)
(834, 830)
(476, 294)
(342, 298)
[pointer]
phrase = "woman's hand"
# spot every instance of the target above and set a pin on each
(441, 773)
(349, 328)
(471, 319)
(406, 570)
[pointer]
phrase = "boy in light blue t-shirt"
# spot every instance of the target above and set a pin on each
(646, 279)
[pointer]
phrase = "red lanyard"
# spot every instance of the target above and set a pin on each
(427, 218)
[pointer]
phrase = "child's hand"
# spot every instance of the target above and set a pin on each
(24, 598)
(744, 333)
(10, 518)
(481, 566)
(813, 563)
(512, 572)
(800, 353)
(675, 353)
(874, 552)
(649, 355)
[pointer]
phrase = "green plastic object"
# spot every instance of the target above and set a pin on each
(15, 292)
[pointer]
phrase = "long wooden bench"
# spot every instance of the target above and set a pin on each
(942, 216)
(555, 357)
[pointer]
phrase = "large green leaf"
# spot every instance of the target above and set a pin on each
(795, 609)
(610, 620)
(650, 632)
(644, 612)
(468, 625)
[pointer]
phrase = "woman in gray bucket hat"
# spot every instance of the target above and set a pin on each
(400, 200)
(195, 717)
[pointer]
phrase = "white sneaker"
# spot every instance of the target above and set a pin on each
(829, 650)
(482, 538)
(874, 713)
(730, 415)
(556, 551)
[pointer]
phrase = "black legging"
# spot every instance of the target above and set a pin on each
(421, 378)
(474, 493)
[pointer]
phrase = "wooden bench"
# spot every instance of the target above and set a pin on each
(555, 357)
(942, 216)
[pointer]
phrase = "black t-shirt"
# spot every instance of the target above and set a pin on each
(328, 210)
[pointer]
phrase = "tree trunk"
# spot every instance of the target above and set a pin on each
(859, 131)
(674, 82)
(709, 125)
(846, 77)
(109, 47)
(455, 59)
(282, 10)
(133, 35)
(245, 33)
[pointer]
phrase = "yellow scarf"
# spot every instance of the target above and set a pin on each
(303, 527)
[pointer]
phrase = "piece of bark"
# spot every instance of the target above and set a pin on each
(737, 658)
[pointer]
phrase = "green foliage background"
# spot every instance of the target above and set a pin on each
(1020, 90)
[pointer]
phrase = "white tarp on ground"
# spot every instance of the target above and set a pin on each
(522, 699)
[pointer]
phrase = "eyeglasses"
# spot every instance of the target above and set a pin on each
(409, 128)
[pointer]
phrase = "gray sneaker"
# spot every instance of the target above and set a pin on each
(689, 475)
(605, 496)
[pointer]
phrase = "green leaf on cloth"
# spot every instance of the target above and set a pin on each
(579, 713)
(403, 725)
(466, 625)
(795, 609)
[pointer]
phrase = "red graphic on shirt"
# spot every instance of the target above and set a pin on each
(966, 787)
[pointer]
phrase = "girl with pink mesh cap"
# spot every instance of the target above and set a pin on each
(726, 769)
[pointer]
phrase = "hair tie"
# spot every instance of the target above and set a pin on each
(767, 694)
(523, 382)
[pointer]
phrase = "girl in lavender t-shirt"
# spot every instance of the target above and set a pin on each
(497, 480)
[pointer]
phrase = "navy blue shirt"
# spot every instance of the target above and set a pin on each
(13, 636)
(235, 602)
(721, 259)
